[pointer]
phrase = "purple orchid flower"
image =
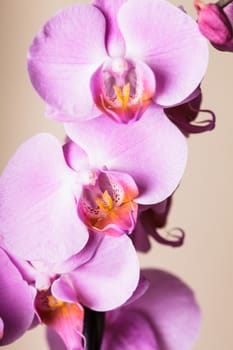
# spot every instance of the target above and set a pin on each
(55, 294)
(216, 23)
(166, 317)
(116, 58)
(55, 195)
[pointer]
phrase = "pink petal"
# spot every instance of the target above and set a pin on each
(62, 116)
(130, 331)
(75, 156)
(107, 280)
(142, 287)
(16, 302)
(25, 268)
(81, 258)
(169, 41)
(38, 214)
(172, 309)
(152, 151)
(62, 58)
(66, 88)
(55, 342)
(114, 41)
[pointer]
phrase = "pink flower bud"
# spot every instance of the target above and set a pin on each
(213, 23)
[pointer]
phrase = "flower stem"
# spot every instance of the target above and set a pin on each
(223, 3)
(93, 329)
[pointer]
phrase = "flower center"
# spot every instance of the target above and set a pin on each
(107, 206)
(123, 89)
(50, 309)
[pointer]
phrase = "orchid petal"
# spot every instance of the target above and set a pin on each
(66, 88)
(54, 341)
(16, 302)
(172, 309)
(142, 287)
(86, 254)
(75, 156)
(197, 93)
(62, 58)
(62, 287)
(25, 268)
(114, 41)
(114, 268)
(157, 145)
(169, 41)
(81, 258)
(38, 214)
(131, 331)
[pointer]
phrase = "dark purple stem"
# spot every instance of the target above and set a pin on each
(93, 329)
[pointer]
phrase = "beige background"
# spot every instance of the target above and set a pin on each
(203, 203)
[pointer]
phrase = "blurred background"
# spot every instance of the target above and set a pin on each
(202, 205)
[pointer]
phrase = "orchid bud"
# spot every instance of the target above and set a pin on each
(214, 23)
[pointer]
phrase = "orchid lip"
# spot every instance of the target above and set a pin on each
(47, 306)
(65, 318)
(108, 204)
(123, 89)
